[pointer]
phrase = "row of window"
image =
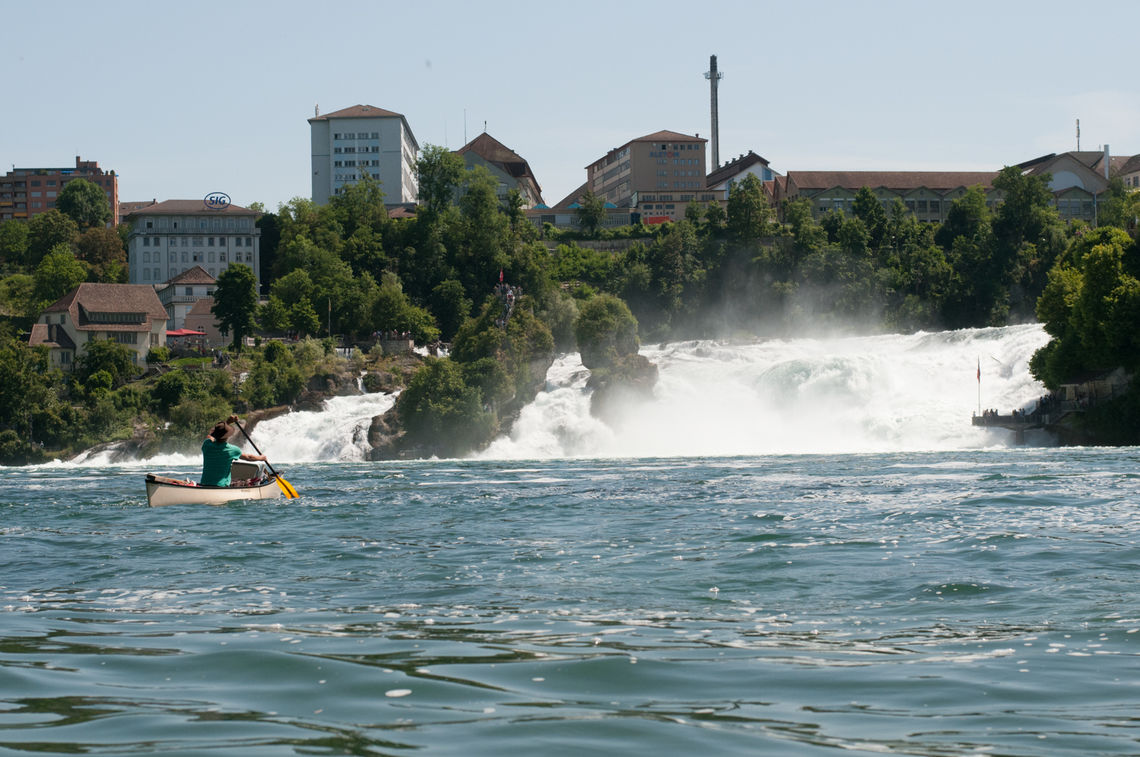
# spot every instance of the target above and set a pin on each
(352, 177)
(352, 163)
(197, 241)
(217, 224)
(340, 150)
(198, 257)
(360, 135)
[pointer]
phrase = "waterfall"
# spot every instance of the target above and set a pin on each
(338, 432)
(841, 395)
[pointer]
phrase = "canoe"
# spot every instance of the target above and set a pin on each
(165, 490)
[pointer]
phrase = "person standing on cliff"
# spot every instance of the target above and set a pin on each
(218, 454)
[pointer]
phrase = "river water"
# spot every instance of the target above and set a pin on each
(906, 584)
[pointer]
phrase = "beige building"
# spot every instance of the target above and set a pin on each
(201, 318)
(507, 166)
(656, 176)
(172, 237)
(182, 292)
(125, 313)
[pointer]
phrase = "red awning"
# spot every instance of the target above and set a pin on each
(185, 332)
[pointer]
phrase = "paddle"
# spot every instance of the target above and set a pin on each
(286, 487)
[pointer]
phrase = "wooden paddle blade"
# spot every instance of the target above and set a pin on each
(287, 488)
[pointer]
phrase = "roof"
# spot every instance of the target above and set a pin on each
(112, 299)
(1131, 165)
(669, 136)
(49, 336)
(195, 275)
(202, 307)
(358, 111)
(189, 208)
(734, 167)
(938, 180)
(494, 151)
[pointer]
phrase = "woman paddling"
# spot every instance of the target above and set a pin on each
(218, 454)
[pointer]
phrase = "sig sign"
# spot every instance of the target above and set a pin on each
(216, 201)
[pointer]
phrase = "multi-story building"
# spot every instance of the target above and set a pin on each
(363, 139)
(27, 192)
(182, 292)
(927, 194)
(126, 313)
(657, 175)
(171, 237)
(511, 170)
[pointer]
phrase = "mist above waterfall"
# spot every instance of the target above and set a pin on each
(838, 395)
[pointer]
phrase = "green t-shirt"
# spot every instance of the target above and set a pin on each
(216, 460)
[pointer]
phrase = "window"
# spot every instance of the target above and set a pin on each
(211, 259)
(146, 241)
(221, 257)
(237, 242)
(125, 337)
(189, 291)
(210, 241)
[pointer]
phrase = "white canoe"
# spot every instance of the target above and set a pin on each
(164, 490)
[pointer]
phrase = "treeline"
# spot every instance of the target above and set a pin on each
(347, 268)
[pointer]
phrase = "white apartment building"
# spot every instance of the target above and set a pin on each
(364, 139)
(169, 238)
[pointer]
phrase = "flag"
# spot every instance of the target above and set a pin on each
(979, 370)
(501, 277)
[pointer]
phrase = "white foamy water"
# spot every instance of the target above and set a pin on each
(856, 394)
(339, 432)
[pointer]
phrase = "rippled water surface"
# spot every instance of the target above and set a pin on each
(958, 603)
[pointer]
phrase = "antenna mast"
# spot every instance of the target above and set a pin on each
(714, 76)
(1078, 135)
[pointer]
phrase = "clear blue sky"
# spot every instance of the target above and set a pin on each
(182, 99)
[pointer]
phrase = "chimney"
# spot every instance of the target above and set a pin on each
(1106, 161)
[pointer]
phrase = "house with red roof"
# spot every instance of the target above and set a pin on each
(129, 314)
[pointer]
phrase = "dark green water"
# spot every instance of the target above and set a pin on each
(958, 603)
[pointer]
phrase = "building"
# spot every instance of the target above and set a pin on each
(27, 192)
(735, 170)
(511, 170)
(172, 237)
(126, 313)
(1078, 179)
(182, 292)
(927, 194)
(201, 318)
(655, 176)
(564, 214)
(363, 139)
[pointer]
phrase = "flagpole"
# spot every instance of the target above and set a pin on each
(979, 387)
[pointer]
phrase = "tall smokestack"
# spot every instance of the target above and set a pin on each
(1106, 162)
(714, 76)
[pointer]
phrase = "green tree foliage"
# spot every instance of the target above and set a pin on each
(749, 214)
(1091, 309)
(84, 203)
(46, 231)
(605, 330)
(235, 302)
(13, 242)
(439, 172)
(103, 251)
(451, 306)
(107, 356)
(591, 213)
(57, 274)
(441, 412)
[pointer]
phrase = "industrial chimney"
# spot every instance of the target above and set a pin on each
(714, 76)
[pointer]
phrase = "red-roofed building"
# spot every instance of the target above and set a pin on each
(27, 192)
(363, 139)
(182, 292)
(511, 170)
(126, 313)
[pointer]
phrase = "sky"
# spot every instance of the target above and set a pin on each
(183, 99)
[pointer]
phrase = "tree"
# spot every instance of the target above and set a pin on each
(439, 171)
(107, 356)
(748, 211)
(85, 203)
(57, 274)
(450, 305)
(304, 319)
(45, 232)
(591, 212)
(13, 242)
(102, 249)
(235, 301)
(606, 330)
(867, 208)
